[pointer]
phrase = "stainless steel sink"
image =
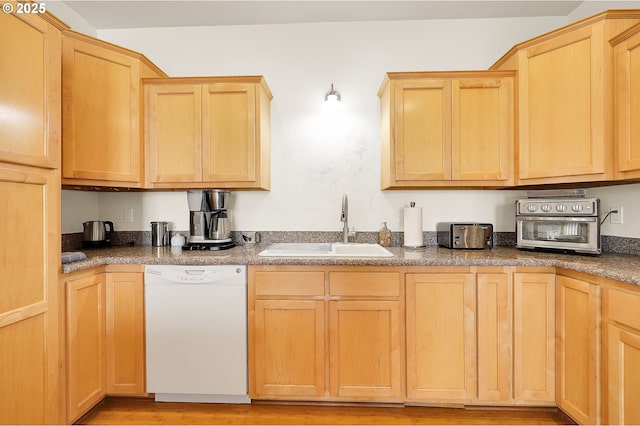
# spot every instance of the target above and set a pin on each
(325, 250)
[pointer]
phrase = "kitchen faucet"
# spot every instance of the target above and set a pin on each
(344, 217)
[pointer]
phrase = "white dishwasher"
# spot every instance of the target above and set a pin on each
(196, 333)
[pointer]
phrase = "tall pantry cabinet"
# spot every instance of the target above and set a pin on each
(30, 352)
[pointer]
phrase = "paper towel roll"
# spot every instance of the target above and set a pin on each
(413, 227)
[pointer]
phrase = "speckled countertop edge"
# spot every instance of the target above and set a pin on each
(619, 267)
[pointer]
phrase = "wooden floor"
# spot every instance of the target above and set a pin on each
(127, 411)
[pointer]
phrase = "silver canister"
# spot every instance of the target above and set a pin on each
(159, 234)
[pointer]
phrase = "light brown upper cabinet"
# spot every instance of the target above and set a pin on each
(208, 132)
(626, 56)
(565, 101)
(450, 129)
(30, 88)
(102, 112)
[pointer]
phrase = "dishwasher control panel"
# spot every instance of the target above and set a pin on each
(198, 274)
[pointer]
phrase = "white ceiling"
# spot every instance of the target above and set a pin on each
(171, 13)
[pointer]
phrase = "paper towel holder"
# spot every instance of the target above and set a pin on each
(413, 234)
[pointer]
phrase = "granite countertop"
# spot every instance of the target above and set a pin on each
(615, 266)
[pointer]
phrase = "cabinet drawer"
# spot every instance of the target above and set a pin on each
(368, 284)
(624, 308)
(289, 283)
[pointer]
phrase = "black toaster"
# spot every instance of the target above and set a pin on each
(465, 235)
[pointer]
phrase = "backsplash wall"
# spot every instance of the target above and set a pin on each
(249, 212)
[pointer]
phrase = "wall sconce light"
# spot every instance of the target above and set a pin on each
(332, 100)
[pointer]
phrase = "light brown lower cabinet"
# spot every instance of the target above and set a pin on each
(125, 368)
(622, 348)
(364, 347)
(578, 343)
(86, 338)
(365, 335)
(434, 335)
(441, 337)
(495, 341)
(534, 338)
(471, 334)
(326, 333)
(104, 336)
(287, 354)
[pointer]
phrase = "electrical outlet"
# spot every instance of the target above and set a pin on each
(616, 217)
(127, 215)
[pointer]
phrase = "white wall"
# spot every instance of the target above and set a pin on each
(626, 196)
(78, 207)
(591, 7)
(316, 158)
(70, 17)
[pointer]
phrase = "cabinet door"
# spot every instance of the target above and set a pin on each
(422, 112)
(562, 107)
(627, 98)
(578, 349)
(365, 350)
(289, 340)
(101, 120)
(623, 356)
(30, 88)
(125, 333)
(229, 133)
(30, 381)
(441, 350)
(494, 337)
(85, 343)
(482, 135)
(173, 133)
(534, 338)
(624, 385)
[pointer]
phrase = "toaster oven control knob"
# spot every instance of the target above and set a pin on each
(577, 207)
(545, 208)
(532, 208)
(561, 207)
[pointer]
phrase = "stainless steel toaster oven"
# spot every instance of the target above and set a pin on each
(469, 235)
(566, 224)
